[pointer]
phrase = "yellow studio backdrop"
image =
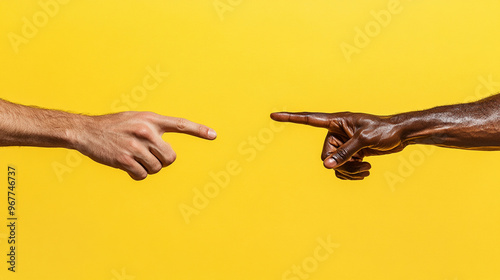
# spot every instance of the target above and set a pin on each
(256, 203)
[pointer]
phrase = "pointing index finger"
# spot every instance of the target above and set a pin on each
(312, 119)
(180, 125)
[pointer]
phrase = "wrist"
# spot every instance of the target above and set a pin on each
(74, 134)
(414, 128)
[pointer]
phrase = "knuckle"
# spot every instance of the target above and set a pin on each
(341, 115)
(365, 137)
(145, 115)
(339, 175)
(181, 124)
(323, 156)
(139, 175)
(202, 130)
(144, 132)
(171, 157)
(125, 162)
(342, 154)
(134, 146)
(155, 167)
(332, 123)
(350, 169)
(367, 165)
(126, 114)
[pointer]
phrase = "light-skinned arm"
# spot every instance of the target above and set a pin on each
(130, 141)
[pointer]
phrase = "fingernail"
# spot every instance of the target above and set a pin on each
(330, 163)
(212, 134)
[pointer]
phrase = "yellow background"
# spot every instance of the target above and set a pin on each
(440, 220)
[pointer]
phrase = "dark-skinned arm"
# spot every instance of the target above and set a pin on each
(353, 136)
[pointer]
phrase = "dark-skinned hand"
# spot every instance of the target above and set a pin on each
(350, 138)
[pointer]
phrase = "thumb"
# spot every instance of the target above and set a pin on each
(343, 153)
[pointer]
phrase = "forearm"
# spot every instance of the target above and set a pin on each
(31, 126)
(467, 126)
